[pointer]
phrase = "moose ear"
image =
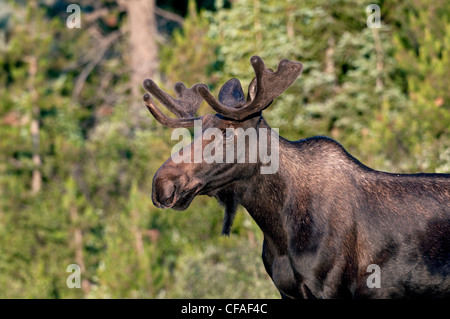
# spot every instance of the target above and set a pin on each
(231, 93)
(251, 90)
(252, 87)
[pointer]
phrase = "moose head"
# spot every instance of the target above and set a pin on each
(176, 183)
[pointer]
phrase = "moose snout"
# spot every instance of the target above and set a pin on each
(163, 195)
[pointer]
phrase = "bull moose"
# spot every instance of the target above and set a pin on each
(326, 217)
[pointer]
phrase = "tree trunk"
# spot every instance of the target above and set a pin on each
(330, 67)
(36, 179)
(257, 24)
(143, 46)
(329, 58)
(78, 242)
(379, 56)
(143, 261)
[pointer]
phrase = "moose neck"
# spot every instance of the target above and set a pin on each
(266, 196)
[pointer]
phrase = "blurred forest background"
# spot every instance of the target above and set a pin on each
(78, 149)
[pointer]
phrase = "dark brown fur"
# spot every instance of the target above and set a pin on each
(326, 217)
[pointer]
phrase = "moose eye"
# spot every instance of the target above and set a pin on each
(228, 135)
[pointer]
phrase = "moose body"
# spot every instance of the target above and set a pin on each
(325, 216)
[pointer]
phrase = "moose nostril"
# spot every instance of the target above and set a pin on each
(169, 199)
(164, 192)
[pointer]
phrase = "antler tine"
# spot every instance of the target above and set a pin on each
(164, 119)
(268, 86)
(184, 107)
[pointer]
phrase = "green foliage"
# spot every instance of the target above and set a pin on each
(382, 93)
(207, 273)
(424, 54)
(192, 53)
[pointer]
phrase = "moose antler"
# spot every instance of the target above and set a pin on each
(184, 107)
(266, 87)
(263, 89)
